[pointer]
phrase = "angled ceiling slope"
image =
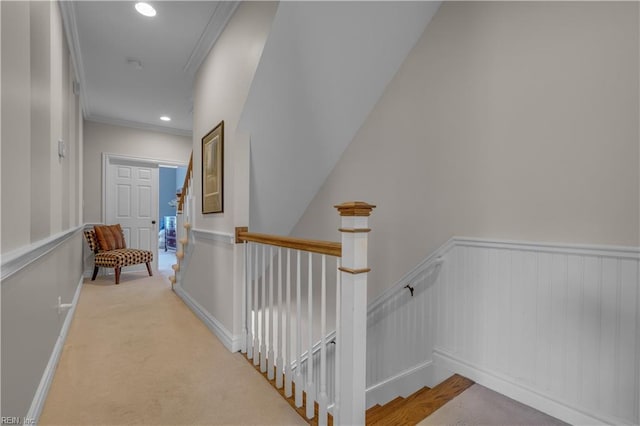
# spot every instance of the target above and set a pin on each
(133, 69)
(323, 68)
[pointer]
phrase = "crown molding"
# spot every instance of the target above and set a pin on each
(68, 12)
(137, 125)
(217, 22)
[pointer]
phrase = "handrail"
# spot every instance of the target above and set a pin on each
(329, 248)
(185, 185)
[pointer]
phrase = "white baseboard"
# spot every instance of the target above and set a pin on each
(231, 342)
(402, 384)
(446, 364)
(47, 377)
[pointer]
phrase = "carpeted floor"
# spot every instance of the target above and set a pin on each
(481, 406)
(135, 354)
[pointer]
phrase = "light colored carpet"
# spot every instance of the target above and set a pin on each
(481, 406)
(135, 354)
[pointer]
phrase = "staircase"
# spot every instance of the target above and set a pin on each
(184, 218)
(400, 411)
(419, 406)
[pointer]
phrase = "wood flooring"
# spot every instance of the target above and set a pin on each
(400, 411)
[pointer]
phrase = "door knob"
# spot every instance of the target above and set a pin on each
(153, 222)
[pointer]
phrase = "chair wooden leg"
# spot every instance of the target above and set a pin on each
(118, 275)
(95, 273)
(149, 269)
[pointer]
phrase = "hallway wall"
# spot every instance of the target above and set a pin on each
(220, 91)
(41, 209)
(508, 120)
(39, 108)
(106, 138)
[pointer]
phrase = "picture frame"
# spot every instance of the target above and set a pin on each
(213, 170)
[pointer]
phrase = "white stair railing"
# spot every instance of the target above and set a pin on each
(184, 220)
(277, 328)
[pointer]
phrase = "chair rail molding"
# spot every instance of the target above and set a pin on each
(18, 259)
(206, 235)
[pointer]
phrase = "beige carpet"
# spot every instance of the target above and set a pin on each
(135, 354)
(481, 406)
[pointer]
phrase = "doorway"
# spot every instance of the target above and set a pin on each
(171, 179)
(130, 196)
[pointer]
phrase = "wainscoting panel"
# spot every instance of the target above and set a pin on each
(553, 326)
(400, 336)
(560, 322)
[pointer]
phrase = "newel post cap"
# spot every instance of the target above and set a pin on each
(355, 208)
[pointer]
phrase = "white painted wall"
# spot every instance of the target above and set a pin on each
(31, 324)
(214, 275)
(553, 326)
(38, 109)
(323, 68)
(507, 120)
(16, 125)
(99, 138)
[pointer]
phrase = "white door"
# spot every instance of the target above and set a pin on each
(132, 201)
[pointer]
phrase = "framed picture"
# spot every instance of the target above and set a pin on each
(212, 170)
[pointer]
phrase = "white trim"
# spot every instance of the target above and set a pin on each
(402, 384)
(618, 252)
(565, 248)
(137, 125)
(545, 403)
(18, 259)
(232, 342)
(40, 396)
(204, 235)
(216, 25)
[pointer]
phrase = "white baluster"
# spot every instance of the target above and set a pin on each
(287, 358)
(322, 398)
(263, 315)
(271, 331)
(353, 315)
(256, 312)
(245, 310)
(280, 335)
(311, 390)
(249, 300)
(336, 358)
(298, 375)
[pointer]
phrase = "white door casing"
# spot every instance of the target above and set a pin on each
(130, 198)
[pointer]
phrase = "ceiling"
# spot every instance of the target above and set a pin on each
(133, 69)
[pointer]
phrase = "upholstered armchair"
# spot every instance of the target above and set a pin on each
(110, 250)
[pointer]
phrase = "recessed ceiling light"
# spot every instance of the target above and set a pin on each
(165, 118)
(145, 9)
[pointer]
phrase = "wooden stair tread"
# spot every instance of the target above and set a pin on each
(423, 403)
(378, 412)
(378, 407)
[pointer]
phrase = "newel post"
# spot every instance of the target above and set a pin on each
(352, 344)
